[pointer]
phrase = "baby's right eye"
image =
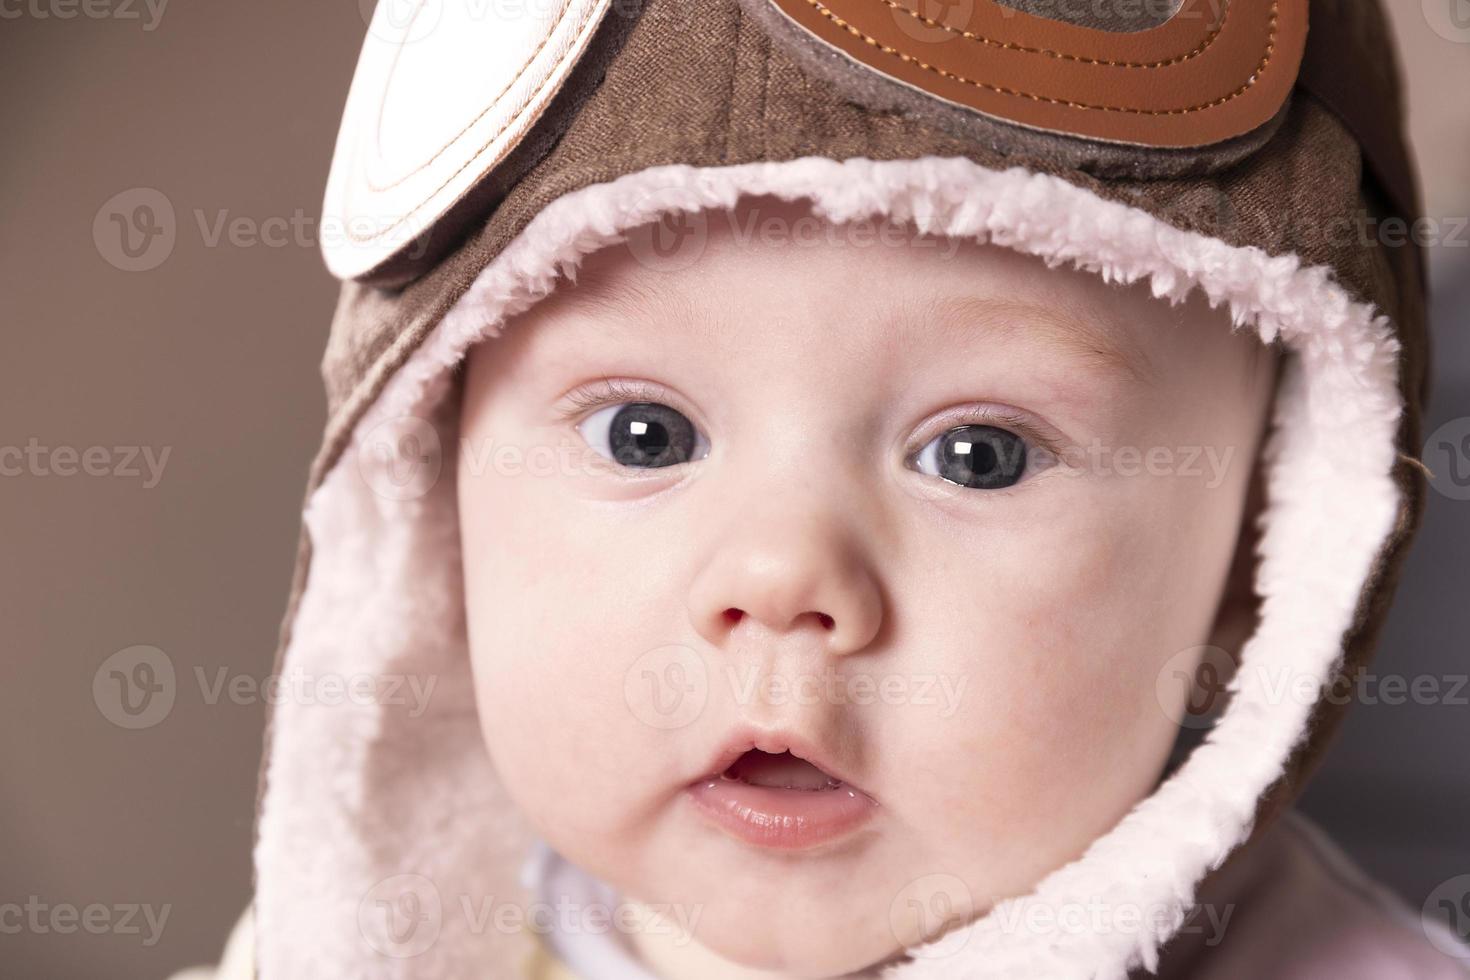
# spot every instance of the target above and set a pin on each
(981, 457)
(643, 435)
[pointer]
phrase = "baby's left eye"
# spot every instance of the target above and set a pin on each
(981, 457)
(643, 435)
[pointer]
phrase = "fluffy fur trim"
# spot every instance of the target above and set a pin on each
(362, 795)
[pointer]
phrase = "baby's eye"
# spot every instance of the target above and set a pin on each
(981, 457)
(643, 435)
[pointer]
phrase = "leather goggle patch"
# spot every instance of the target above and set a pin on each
(1213, 71)
(445, 96)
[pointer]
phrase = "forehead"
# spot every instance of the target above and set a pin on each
(780, 273)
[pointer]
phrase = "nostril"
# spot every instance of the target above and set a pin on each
(733, 615)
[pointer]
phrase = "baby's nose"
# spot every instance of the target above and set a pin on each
(786, 577)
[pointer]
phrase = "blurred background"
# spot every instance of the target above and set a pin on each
(183, 380)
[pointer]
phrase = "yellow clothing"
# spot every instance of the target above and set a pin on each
(542, 964)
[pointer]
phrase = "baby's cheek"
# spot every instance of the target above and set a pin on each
(1059, 721)
(554, 649)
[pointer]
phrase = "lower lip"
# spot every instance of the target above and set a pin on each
(781, 819)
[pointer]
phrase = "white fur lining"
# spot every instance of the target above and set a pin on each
(360, 793)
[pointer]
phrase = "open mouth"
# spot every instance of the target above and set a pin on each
(779, 771)
(779, 800)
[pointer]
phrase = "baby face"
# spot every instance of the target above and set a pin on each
(820, 585)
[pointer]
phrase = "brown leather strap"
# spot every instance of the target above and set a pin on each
(1215, 70)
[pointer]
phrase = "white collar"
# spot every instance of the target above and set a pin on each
(590, 952)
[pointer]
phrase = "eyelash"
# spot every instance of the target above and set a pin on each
(609, 391)
(981, 414)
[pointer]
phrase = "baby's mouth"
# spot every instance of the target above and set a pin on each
(778, 799)
(779, 771)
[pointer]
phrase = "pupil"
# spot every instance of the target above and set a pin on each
(646, 434)
(982, 457)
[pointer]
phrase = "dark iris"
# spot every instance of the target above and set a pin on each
(982, 457)
(647, 434)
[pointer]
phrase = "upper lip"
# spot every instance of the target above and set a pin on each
(774, 741)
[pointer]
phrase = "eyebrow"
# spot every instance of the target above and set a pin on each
(1060, 323)
(1063, 326)
(612, 299)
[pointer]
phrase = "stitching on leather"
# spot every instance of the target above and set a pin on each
(356, 237)
(1200, 49)
(377, 130)
(1003, 90)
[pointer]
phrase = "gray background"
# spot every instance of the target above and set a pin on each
(230, 109)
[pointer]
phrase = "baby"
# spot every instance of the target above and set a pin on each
(821, 465)
(871, 489)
